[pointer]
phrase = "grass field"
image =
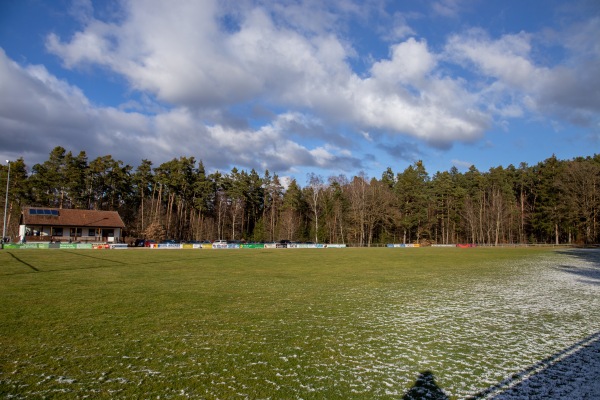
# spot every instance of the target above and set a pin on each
(312, 324)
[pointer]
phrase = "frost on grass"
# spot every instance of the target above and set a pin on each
(513, 334)
(471, 336)
(496, 329)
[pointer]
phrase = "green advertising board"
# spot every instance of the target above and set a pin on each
(252, 246)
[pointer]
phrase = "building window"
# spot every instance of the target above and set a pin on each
(76, 232)
(35, 231)
(57, 231)
(92, 232)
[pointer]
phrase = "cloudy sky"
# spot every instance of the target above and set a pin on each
(298, 86)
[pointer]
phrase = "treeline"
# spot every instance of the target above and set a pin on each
(555, 201)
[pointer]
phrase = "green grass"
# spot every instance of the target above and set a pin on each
(323, 323)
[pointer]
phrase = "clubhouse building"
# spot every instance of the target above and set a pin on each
(66, 225)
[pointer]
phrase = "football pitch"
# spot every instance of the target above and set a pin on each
(287, 324)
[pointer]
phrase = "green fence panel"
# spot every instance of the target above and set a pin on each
(253, 246)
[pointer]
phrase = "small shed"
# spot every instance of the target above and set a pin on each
(58, 224)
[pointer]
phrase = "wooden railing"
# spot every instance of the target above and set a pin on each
(66, 239)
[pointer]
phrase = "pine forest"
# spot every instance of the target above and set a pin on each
(553, 202)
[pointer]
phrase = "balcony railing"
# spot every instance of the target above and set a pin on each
(73, 239)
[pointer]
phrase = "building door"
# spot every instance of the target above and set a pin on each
(109, 234)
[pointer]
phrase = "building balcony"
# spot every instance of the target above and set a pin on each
(68, 239)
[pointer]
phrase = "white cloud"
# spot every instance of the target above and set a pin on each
(32, 101)
(294, 60)
(406, 94)
(182, 56)
(312, 16)
(399, 30)
(447, 8)
(460, 164)
(568, 89)
(506, 58)
(68, 119)
(410, 63)
(270, 146)
(94, 45)
(366, 135)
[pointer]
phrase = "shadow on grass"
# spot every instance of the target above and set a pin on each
(425, 388)
(23, 262)
(97, 258)
(34, 268)
(115, 263)
(589, 274)
(571, 373)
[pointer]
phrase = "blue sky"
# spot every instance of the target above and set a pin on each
(300, 86)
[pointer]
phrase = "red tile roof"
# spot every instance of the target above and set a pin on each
(75, 218)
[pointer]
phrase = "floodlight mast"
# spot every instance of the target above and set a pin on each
(5, 203)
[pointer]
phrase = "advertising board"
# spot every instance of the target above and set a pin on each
(253, 246)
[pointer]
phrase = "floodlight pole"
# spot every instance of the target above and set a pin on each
(5, 203)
